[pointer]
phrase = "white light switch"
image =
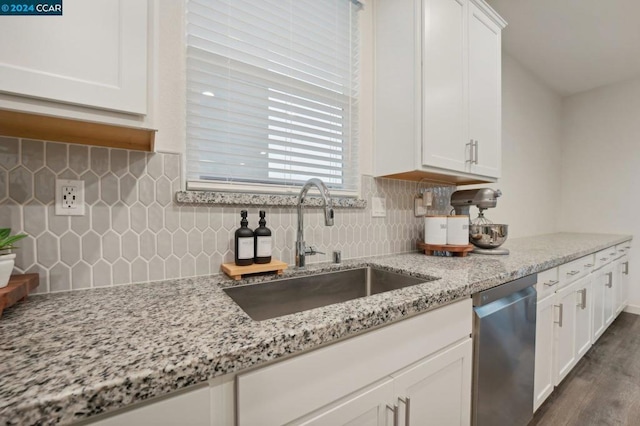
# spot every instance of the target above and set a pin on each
(378, 207)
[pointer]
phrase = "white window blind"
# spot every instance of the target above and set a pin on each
(272, 93)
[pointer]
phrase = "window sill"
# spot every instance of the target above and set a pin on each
(269, 200)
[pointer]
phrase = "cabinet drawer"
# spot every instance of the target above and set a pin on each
(284, 391)
(576, 269)
(623, 248)
(604, 257)
(547, 282)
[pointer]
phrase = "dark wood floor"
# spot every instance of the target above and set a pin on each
(604, 387)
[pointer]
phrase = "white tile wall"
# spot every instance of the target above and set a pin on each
(133, 231)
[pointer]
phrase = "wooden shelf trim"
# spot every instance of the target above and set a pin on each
(56, 129)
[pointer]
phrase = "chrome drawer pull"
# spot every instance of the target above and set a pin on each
(572, 273)
(551, 283)
(604, 259)
(588, 265)
(626, 268)
(610, 283)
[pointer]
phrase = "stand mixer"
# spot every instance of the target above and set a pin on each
(483, 234)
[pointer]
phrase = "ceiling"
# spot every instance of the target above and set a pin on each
(573, 45)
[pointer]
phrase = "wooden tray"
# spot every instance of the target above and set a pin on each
(236, 272)
(460, 251)
(17, 290)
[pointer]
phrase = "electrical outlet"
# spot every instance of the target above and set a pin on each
(419, 209)
(69, 197)
(378, 207)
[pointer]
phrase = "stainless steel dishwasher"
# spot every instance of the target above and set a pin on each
(504, 337)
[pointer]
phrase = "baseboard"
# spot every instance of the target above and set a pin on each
(633, 309)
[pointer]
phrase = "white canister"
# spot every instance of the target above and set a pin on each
(435, 230)
(458, 230)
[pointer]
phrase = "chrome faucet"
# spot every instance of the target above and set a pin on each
(301, 248)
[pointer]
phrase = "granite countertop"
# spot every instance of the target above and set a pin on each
(68, 356)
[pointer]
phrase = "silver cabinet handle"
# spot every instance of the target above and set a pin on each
(588, 265)
(612, 254)
(394, 410)
(407, 409)
(583, 298)
(551, 283)
(626, 268)
(621, 250)
(604, 259)
(470, 145)
(560, 308)
(572, 273)
(610, 283)
(476, 150)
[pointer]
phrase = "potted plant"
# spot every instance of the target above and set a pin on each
(7, 259)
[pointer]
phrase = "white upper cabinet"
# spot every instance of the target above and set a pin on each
(443, 91)
(485, 87)
(437, 90)
(94, 55)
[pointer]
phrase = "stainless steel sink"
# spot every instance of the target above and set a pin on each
(282, 297)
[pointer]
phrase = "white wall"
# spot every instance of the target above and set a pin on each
(601, 165)
(531, 114)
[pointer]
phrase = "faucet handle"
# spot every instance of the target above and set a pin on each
(311, 251)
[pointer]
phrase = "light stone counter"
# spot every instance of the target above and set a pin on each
(68, 356)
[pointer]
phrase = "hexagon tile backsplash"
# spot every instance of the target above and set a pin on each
(133, 231)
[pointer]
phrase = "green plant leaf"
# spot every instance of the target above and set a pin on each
(6, 242)
(4, 233)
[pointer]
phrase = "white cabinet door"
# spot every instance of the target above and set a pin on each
(484, 93)
(367, 408)
(444, 94)
(564, 333)
(610, 287)
(543, 381)
(599, 286)
(438, 389)
(95, 54)
(622, 281)
(584, 310)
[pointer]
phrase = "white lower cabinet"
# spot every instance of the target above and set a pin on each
(420, 366)
(576, 303)
(434, 390)
(600, 281)
(584, 311)
(362, 409)
(544, 379)
(610, 286)
(622, 280)
(565, 353)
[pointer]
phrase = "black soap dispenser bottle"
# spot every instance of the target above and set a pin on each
(262, 243)
(244, 242)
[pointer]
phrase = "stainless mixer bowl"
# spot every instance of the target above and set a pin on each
(488, 236)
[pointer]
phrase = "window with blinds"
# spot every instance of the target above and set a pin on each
(272, 91)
